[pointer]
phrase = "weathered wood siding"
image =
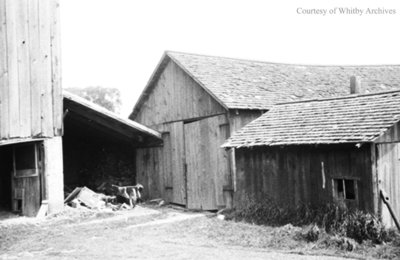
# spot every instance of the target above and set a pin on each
(207, 164)
(176, 103)
(176, 96)
(161, 169)
(392, 135)
(240, 118)
(148, 172)
(190, 169)
(388, 168)
(30, 87)
(294, 175)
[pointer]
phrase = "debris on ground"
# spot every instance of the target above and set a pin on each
(221, 214)
(108, 197)
(158, 202)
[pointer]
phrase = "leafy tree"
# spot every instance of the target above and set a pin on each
(109, 98)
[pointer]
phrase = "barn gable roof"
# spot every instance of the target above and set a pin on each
(351, 119)
(247, 84)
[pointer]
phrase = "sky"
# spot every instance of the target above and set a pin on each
(118, 43)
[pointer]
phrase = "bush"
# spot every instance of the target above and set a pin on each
(332, 218)
(362, 226)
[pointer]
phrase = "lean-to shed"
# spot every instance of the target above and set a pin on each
(99, 145)
(341, 150)
(198, 101)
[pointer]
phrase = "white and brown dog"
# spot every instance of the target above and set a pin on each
(130, 193)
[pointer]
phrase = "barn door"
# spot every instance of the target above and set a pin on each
(26, 193)
(206, 165)
(176, 155)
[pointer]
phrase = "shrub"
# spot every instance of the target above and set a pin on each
(332, 218)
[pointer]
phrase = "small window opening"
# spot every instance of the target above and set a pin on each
(25, 160)
(25, 157)
(340, 189)
(345, 189)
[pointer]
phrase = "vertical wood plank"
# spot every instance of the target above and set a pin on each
(57, 97)
(167, 167)
(12, 64)
(45, 68)
(34, 49)
(224, 172)
(140, 169)
(178, 150)
(23, 43)
(4, 74)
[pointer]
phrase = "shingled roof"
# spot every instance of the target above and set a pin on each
(351, 119)
(247, 84)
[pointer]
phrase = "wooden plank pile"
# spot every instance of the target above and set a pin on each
(114, 197)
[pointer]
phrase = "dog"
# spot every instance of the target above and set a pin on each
(132, 194)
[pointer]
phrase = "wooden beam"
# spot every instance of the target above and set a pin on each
(375, 179)
(82, 125)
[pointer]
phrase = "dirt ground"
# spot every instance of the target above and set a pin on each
(150, 233)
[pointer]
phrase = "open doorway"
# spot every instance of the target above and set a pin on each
(6, 166)
(21, 178)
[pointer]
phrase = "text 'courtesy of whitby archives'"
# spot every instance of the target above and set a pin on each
(345, 11)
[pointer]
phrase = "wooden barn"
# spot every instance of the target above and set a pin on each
(30, 106)
(198, 101)
(340, 150)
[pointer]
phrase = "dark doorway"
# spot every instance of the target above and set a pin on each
(20, 173)
(93, 157)
(6, 167)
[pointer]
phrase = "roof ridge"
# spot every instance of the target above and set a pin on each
(350, 96)
(281, 63)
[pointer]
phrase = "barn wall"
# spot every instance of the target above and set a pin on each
(149, 173)
(161, 169)
(194, 125)
(30, 87)
(294, 175)
(175, 100)
(176, 96)
(392, 135)
(388, 168)
(190, 168)
(240, 118)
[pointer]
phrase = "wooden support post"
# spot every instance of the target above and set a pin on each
(375, 180)
(53, 170)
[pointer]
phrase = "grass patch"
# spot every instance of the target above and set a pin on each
(332, 219)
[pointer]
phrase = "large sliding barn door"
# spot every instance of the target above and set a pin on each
(206, 163)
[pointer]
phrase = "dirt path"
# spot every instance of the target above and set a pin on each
(147, 235)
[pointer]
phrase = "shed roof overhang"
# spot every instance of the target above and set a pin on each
(81, 112)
